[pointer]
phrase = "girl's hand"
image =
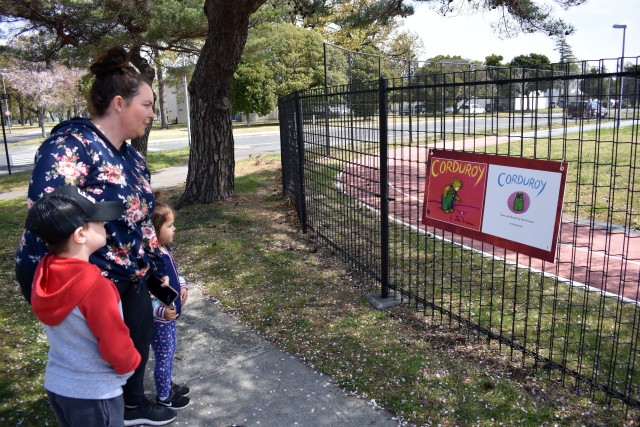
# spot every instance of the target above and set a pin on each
(184, 294)
(170, 313)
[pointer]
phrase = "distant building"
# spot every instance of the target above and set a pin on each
(175, 105)
(176, 108)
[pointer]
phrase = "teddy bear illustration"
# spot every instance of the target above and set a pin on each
(450, 194)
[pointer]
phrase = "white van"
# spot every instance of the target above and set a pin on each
(471, 109)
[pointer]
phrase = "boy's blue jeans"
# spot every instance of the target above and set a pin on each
(72, 412)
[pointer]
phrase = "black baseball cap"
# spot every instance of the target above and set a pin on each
(58, 214)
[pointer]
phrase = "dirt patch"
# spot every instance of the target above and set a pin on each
(257, 164)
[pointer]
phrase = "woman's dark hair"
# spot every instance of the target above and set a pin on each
(113, 76)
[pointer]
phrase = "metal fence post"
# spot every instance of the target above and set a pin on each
(6, 147)
(384, 188)
(326, 103)
(300, 140)
(324, 51)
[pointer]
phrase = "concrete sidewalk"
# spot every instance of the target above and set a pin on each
(164, 178)
(238, 379)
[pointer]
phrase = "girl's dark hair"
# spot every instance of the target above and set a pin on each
(113, 76)
(160, 214)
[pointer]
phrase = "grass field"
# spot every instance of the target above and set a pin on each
(248, 253)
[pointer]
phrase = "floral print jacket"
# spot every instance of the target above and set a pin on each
(77, 153)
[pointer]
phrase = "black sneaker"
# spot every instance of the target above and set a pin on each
(174, 401)
(180, 389)
(149, 413)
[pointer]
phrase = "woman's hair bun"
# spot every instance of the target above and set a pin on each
(114, 76)
(110, 60)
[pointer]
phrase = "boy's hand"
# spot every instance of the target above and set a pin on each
(184, 295)
(170, 312)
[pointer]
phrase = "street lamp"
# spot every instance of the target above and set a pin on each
(4, 93)
(624, 30)
(624, 33)
(186, 100)
(4, 134)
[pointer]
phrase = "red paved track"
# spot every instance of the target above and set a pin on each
(586, 254)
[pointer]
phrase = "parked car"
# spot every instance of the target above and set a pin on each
(415, 109)
(448, 110)
(339, 110)
(600, 109)
(318, 110)
(586, 110)
(490, 108)
(578, 109)
(471, 109)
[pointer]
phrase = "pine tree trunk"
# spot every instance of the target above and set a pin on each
(211, 159)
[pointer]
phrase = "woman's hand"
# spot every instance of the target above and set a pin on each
(184, 294)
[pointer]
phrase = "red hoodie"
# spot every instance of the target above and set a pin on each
(61, 284)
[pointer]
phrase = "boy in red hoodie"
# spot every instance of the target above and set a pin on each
(90, 352)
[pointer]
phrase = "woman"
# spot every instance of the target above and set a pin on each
(95, 156)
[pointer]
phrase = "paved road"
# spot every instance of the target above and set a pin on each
(246, 145)
(268, 142)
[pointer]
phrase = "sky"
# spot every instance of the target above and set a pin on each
(471, 36)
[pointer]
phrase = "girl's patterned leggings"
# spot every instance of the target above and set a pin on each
(164, 347)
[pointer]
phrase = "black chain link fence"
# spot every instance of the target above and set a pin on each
(354, 157)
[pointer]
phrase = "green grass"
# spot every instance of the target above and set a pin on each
(14, 181)
(24, 351)
(247, 252)
(272, 279)
(600, 161)
(157, 160)
(584, 330)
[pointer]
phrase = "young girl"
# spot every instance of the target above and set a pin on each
(164, 338)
